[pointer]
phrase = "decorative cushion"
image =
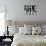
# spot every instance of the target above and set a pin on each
(24, 30)
(36, 30)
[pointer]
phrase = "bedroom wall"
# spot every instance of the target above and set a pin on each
(15, 9)
(19, 10)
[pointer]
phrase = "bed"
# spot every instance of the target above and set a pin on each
(29, 40)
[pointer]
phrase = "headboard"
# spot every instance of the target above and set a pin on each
(21, 23)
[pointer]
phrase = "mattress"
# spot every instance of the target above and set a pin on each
(28, 40)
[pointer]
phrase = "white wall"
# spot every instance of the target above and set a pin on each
(15, 10)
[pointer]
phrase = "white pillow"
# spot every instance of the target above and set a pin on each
(21, 30)
(44, 26)
(44, 29)
(28, 26)
(24, 30)
(28, 31)
(13, 30)
(36, 30)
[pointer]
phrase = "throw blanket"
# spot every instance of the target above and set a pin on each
(29, 40)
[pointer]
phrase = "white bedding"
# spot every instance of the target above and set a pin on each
(29, 40)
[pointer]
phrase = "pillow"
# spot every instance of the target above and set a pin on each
(21, 30)
(36, 30)
(24, 30)
(13, 30)
(28, 26)
(28, 31)
(44, 29)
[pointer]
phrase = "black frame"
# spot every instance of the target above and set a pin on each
(30, 9)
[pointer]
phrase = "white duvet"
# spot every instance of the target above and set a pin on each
(29, 40)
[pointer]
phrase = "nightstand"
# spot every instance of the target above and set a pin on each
(7, 43)
(6, 40)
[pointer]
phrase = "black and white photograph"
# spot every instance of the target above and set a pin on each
(30, 9)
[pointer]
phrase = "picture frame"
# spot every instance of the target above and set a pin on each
(30, 9)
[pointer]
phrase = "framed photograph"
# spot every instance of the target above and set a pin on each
(30, 9)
